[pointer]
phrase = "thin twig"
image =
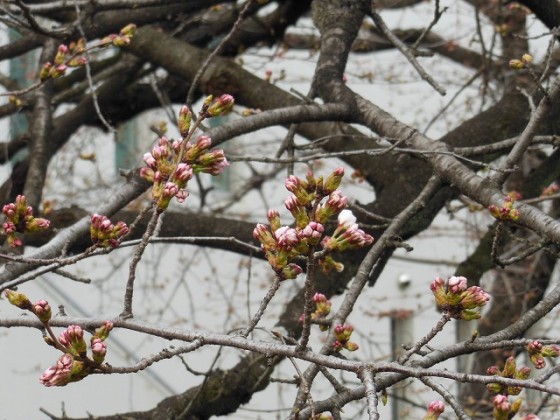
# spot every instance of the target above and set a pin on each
(264, 303)
(445, 318)
(217, 50)
(127, 310)
(92, 90)
(405, 51)
(526, 137)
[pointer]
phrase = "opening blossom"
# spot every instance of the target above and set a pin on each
(457, 300)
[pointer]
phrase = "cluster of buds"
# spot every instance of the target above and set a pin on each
(74, 364)
(455, 299)
(171, 165)
(503, 408)
(106, 234)
(322, 309)
(435, 409)
(342, 334)
(526, 61)
(313, 203)
(550, 190)
(72, 55)
(509, 371)
(20, 219)
(122, 38)
(506, 212)
(537, 352)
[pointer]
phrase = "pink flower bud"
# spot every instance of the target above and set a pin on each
(42, 310)
(220, 106)
(203, 142)
(183, 173)
(60, 373)
(291, 271)
(286, 237)
(457, 284)
(9, 228)
(98, 350)
(103, 332)
(292, 183)
(150, 161)
(36, 224)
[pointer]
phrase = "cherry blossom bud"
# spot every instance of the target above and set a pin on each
(551, 351)
(293, 183)
(98, 350)
(77, 62)
(147, 174)
(60, 54)
(128, 30)
(36, 224)
(150, 161)
(457, 284)
(501, 405)
(120, 229)
(58, 71)
(185, 118)
(435, 409)
(286, 237)
(212, 163)
(42, 310)
(120, 41)
(291, 271)
(45, 72)
(516, 64)
(203, 142)
(9, 228)
(103, 332)
(183, 173)
(527, 58)
(60, 373)
(334, 179)
(18, 299)
(313, 232)
(220, 106)
(14, 242)
(73, 339)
